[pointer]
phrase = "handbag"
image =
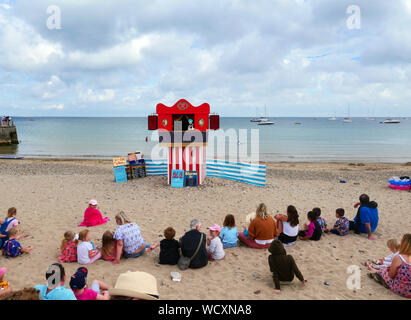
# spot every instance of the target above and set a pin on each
(184, 262)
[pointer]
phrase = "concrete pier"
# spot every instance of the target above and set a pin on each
(8, 135)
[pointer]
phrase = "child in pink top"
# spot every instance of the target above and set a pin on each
(313, 231)
(82, 292)
(93, 216)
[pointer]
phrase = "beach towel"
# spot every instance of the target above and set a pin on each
(93, 217)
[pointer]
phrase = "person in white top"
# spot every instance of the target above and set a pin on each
(86, 253)
(394, 247)
(215, 246)
(288, 226)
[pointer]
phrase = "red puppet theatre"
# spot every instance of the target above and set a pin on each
(183, 129)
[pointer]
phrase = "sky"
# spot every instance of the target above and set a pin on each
(122, 57)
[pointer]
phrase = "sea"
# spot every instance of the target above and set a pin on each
(289, 139)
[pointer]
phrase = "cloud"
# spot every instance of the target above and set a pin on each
(54, 107)
(91, 96)
(124, 57)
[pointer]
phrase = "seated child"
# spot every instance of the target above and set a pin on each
(12, 247)
(4, 285)
(9, 222)
(394, 247)
(68, 248)
(282, 265)
(82, 292)
(342, 225)
(229, 234)
(169, 253)
(215, 248)
(313, 231)
(109, 246)
(321, 221)
(86, 253)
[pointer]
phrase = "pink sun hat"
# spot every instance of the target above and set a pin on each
(215, 227)
(2, 272)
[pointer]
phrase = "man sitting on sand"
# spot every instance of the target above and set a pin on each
(189, 243)
(366, 220)
(55, 289)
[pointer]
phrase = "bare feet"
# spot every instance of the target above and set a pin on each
(372, 238)
(277, 291)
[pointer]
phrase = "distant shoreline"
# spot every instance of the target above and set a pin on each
(109, 159)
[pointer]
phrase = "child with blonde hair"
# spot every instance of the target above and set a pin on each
(86, 253)
(68, 247)
(215, 248)
(397, 277)
(12, 247)
(394, 247)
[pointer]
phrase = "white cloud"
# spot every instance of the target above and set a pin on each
(102, 96)
(22, 49)
(54, 107)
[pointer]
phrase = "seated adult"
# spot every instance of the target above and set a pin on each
(55, 289)
(93, 216)
(261, 231)
(288, 226)
(366, 220)
(190, 242)
(135, 286)
(129, 239)
(397, 277)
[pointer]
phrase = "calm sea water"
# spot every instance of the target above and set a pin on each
(313, 140)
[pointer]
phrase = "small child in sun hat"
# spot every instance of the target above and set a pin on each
(215, 248)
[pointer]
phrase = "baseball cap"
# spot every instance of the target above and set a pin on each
(215, 227)
(93, 202)
(79, 279)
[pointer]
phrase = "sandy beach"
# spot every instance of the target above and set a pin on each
(51, 196)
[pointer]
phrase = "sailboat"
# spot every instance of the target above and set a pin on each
(265, 121)
(369, 118)
(347, 119)
(258, 119)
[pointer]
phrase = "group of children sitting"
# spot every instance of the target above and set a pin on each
(80, 247)
(318, 225)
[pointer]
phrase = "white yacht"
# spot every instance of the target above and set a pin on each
(391, 121)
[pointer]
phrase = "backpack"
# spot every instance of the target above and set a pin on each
(3, 228)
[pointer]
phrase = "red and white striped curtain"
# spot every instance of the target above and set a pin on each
(187, 159)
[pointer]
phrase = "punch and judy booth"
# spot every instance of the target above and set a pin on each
(183, 130)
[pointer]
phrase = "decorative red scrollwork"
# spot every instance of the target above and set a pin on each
(182, 105)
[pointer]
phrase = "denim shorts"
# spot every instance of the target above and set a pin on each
(126, 255)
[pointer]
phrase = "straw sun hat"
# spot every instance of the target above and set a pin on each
(136, 284)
